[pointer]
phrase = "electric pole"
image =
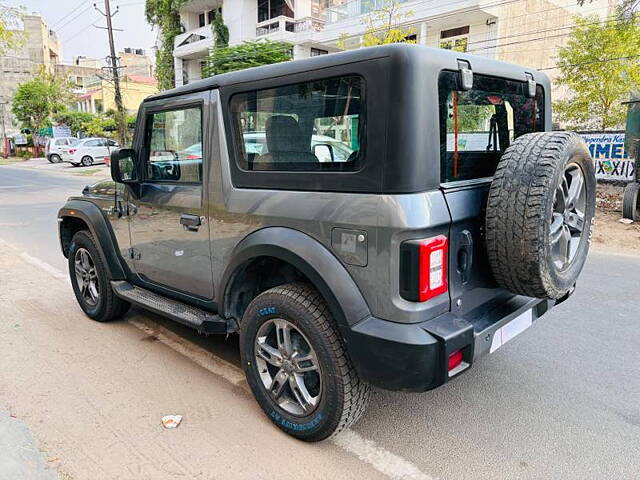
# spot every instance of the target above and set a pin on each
(120, 115)
(5, 150)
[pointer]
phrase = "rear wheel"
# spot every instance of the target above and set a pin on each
(297, 366)
(631, 201)
(90, 281)
(539, 214)
(86, 161)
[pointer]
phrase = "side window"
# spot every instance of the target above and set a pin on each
(477, 125)
(174, 143)
(311, 126)
(92, 143)
(111, 143)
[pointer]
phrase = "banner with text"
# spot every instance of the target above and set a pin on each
(610, 159)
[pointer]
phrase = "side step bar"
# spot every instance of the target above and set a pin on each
(201, 320)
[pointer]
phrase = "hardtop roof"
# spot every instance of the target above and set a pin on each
(403, 54)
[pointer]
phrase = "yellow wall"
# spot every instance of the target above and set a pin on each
(132, 95)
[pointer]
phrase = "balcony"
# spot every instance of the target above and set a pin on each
(354, 8)
(282, 26)
(194, 43)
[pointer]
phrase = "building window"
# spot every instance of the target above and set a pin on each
(201, 20)
(317, 51)
(268, 9)
(456, 39)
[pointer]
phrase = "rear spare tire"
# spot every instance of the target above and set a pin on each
(539, 214)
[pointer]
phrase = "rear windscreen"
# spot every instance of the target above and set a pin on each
(477, 125)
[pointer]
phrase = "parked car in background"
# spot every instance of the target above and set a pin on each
(89, 151)
(53, 150)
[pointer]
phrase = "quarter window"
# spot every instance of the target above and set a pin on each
(477, 126)
(311, 126)
(174, 143)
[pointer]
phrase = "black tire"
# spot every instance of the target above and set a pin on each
(523, 203)
(74, 164)
(108, 306)
(86, 161)
(344, 397)
(55, 158)
(631, 202)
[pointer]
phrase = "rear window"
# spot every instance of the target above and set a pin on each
(310, 126)
(477, 125)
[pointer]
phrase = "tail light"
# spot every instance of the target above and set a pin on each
(423, 268)
(193, 157)
(72, 151)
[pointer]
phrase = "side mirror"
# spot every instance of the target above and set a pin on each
(123, 165)
(323, 152)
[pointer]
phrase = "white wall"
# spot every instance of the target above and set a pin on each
(241, 17)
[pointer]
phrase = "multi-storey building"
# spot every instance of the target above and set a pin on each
(527, 32)
(40, 47)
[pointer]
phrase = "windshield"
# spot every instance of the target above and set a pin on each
(477, 125)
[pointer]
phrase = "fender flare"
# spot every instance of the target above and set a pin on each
(101, 231)
(310, 257)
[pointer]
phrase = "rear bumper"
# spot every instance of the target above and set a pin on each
(414, 357)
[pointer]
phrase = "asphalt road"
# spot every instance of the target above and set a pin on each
(560, 401)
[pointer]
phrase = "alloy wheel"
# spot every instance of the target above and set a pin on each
(567, 222)
(86, 277)
(288, 367)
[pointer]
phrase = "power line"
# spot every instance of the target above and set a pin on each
(72, 11)
(78, 14)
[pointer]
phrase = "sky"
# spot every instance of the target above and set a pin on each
(72, 20)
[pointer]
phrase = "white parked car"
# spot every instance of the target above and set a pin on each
(53, 150)
(89, 151)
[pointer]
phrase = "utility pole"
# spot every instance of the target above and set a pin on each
(120, 116)
(5, 150)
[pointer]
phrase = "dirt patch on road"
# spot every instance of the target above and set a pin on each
(609, 234)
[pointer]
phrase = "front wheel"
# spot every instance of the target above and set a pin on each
(55, 158)
(297, 366)
(90, 281)
(86, 161)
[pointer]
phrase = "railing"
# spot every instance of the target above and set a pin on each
(354, 8)
(287, 24)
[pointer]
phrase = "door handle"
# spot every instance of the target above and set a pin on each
(190, 222)
(465, 255)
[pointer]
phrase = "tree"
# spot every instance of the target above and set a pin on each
(384, 25)
(165, 14)
(10, 37)
(76, 121)
(600, 67)
(246, 55)
(626, 9)
(220, 31)
(36, 100)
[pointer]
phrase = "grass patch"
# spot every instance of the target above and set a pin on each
(11, 160)
(86, 171)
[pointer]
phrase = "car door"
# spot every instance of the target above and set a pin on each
(168, 223)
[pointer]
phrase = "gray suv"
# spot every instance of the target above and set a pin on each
(453, 221)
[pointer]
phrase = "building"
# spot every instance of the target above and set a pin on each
(528, 32)
(100, 97)
(41, 48)
(134, 61)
